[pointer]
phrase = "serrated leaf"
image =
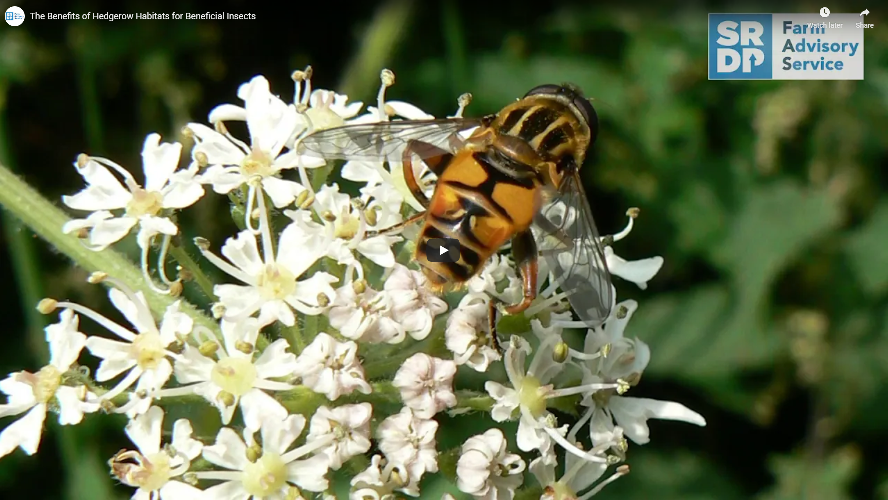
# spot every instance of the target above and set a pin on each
(495, 80)
(777, 222)
(671, 475)
(866, 252)
(798, 476)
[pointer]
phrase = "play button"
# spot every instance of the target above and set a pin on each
(442, 250)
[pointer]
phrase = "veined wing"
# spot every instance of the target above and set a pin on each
(388, 140)
(569, 243)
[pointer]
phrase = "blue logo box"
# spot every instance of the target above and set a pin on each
(740, 47)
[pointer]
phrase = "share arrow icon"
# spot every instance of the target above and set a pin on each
(865, 12)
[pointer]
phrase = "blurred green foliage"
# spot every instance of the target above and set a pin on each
(765, 198)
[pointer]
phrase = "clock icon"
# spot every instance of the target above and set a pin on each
(824, 12)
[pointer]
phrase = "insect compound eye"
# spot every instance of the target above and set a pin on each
(589, 114)
(549, 89)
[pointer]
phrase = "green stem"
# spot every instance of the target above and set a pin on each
(455, 46)
(25, 266)
(45, 219)
(376, 47)
(184, 259)
(472, 400)
(384, 365)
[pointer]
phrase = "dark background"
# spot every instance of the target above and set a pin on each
(765, 198)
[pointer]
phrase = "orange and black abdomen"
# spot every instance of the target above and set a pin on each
(477, 204)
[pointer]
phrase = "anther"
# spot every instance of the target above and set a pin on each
(226, 398)
(208, 348)
(323, 300)
(186, 132)
(201, 158)
(177, 347)
(358, 203)
(359, 286)
(328, 216)
(560, 352)
(244, 347)
(370, 215)
(82, 160)
(176, 288)
(464, 100)
(301, 197)
(97, 277)
(309, 200)
(202, 243)
(633, 212)
(47, 306)
(622, 386)
(387, 77)
(218, 310)
(254, 453)
(622, 311)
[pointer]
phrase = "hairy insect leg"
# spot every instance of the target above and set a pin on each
(491, 324)
(524, 251)
(436, 159)
(397, 227)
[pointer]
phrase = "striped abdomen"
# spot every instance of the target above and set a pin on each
(477, 204)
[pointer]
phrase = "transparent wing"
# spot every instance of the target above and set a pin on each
(387, 140)
(569, 243)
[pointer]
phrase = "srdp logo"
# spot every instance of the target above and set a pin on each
(442, 250)
(740, 47)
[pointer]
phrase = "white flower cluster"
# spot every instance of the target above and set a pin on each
(322, 326)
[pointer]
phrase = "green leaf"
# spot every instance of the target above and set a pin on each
(797, 476)
(671, 476)
(777, 223)
(866, 251)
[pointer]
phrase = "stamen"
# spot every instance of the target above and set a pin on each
(123, 385)
(128, 178)
(265, 230)
(591, 455)
(580, 389)
(101, 320)
(463, 101)
(161, 259)
(362, 230)
(621, 471)
(632, 213)
(146, 272)
(221, 264)
(307, 448)
(248, 208)
(47, 306)
(572, 434)
(388, 79)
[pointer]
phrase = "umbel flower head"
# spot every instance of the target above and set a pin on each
(323, 347)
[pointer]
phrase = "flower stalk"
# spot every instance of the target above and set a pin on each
(45, 219)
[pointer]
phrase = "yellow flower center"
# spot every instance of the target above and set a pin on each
(148, 350)
(323, 118)
(276, 283)
(531, 397)
(265, 476)
(234, 375)
(559, 491)
(144, 203)
(155, 472)
(346, 226)
(257, 164)
(46, 382)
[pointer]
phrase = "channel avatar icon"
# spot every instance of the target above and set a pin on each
(14, 16)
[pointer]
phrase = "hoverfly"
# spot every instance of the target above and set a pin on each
(515, 177)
